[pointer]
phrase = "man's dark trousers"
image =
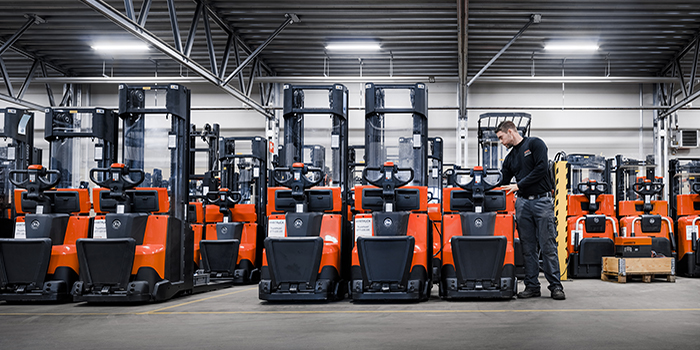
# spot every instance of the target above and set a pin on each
(535, 218)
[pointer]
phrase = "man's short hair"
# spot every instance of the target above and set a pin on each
(505, 125)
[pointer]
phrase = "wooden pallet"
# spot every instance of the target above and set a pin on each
(619, 269)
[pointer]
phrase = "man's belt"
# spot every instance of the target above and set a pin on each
(537, 196)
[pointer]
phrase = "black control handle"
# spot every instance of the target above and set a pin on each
(36, 177)
(223, 198)
(389, 172)
(478, 176)
(117, 177)
(592, 187)
(298, 181)
(648, 188)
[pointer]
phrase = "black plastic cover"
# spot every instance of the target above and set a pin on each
(478, 258)
(651, 223)
(595, 223)
(24, 261)
(461, 200)
(390, 224)
(142, 201)
(61, 202)
(293, 260)
(316, 200)
(229, 230)
(303, 224)
(407, 199)
(219, 256)
(130, 225)
(106, 262)
(385, 259)
(478, 224)
(52, 226)
(593, 249)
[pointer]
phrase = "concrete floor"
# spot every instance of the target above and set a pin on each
(596, 315)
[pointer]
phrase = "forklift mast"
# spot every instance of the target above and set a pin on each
(586, 167)
(76, 133)
(299, 139)
(201, 183)
(627, 172)
(244, 170)
(16, 153)
(387, 136)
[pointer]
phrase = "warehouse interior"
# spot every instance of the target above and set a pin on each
(615, 103)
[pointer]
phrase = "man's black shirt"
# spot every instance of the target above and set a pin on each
(528, 162)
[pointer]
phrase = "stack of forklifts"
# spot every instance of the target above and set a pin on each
(138, 205)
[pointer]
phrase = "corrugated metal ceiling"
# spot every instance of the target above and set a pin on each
(636, 38)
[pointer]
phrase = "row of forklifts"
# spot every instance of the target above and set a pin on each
(159, 208)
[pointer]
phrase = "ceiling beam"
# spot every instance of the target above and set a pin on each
(142, 33)
(356, 79)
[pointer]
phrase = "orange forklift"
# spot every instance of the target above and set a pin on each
(478, 238)
(393, 254)
(685, 209)
(231, 248)
(141, 248)
(645, 228)
(40, 263)
(305, 251)
(592, 224)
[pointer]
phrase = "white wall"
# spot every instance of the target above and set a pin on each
(606, 132)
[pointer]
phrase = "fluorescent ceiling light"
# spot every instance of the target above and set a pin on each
(353, 46)
(571, 46)
(120, 47)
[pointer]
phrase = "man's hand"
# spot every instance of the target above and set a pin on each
(510, 188)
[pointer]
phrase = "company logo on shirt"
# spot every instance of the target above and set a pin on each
(527, 153)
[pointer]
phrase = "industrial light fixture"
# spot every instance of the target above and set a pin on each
(353, 46)
(571, 46)
(120, 47)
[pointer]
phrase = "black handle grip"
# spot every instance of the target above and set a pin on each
(230, 197)
(41, 178)
(305, 182)
(648, 188)
(124, 177)
(696, 187)
(474, 173)
(393, 179)
(592, 188)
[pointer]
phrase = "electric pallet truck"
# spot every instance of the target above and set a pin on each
(393, 254)
(142, 244)
(41, 263)
(685, 208)
(478, 237)
(231, 248)
(592, 228)
(307, 239)
(646, 229)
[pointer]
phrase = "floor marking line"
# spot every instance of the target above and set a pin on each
(195, 301)
(410, 311)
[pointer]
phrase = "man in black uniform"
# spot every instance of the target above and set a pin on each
(534, 207)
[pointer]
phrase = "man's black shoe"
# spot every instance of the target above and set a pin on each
(558, 294)
(529, 293)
